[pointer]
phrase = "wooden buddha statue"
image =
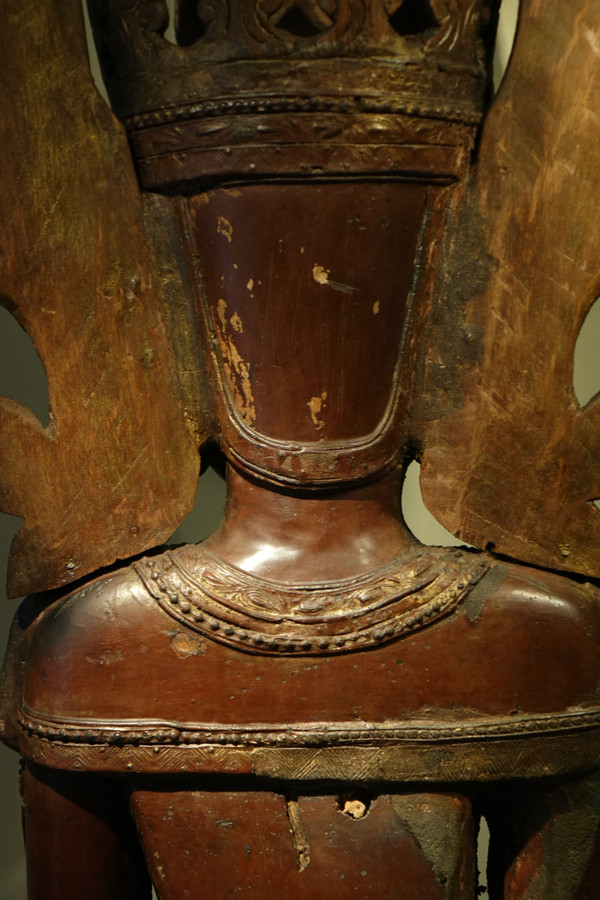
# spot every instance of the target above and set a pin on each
(322, 252)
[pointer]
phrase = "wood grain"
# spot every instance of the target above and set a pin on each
(115, 471)
(511, 459)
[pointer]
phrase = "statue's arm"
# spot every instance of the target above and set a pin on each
(80, 838)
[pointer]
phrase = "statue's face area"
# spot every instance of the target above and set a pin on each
(304, 286)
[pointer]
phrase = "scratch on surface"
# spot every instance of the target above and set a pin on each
(316, 406)
(47, 222)
(343, 288)
(225, 227)
(299, 836)
(321, 276)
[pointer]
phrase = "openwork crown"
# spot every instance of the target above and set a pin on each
(244, 58)
(146, 72)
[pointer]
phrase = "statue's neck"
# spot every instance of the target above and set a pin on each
(310, 537)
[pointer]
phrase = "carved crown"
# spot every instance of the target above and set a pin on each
(236, 59)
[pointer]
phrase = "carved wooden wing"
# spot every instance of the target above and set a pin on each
(511, 459)
(116, 469)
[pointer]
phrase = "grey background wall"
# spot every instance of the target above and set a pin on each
(22, 378)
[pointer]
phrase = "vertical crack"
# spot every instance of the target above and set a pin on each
(299, 836)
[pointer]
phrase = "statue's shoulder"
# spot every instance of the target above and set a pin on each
(57, 633)
(161, 663)
(91, 654)
(94, 616)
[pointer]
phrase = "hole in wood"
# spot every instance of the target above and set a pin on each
(22, 375)
(586, 360)
(417, 517)
(169, 34)
(505, 39)
(189, 27)
(93, 56)
(355, 805)
(304, 18)
(298, 24)
(413, 17)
